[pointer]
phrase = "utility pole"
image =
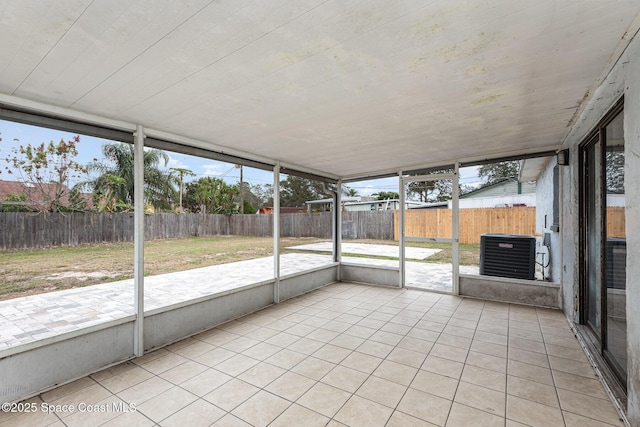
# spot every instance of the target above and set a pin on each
(241, 190)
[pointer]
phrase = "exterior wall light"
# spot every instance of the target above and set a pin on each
(563, 157)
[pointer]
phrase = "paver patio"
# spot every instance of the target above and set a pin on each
(37, 317)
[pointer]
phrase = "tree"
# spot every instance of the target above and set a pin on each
(211, 195)
(614, 171)
(248, 208)
(116, 177)
(48, 171)
(385, 195)
(349, 192)
(106, 196)
(295, 191)
(262, 195)
(431, 191)
(15, 203)
(495, 172)
(182, 172)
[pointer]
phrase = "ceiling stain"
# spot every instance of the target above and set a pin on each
(486, 98)
(474, 70)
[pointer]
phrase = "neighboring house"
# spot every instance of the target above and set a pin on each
(361, 203)
(432, 205)
(324, 205)
(504, 193)
(380, 205)
(37, 195)
(268, 210)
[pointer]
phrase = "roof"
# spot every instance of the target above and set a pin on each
(330, 200)
(432, 205)
(344, 89)
(37, 193)
(490, 187)
(530, 169)
(283, 210)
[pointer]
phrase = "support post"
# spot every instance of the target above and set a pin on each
(401, 229)
(337, 225)
(455, 232)
(276, 233)
(138, 240)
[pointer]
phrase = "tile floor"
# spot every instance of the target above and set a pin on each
(350, 355)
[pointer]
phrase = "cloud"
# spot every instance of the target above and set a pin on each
(213, 169)
(369, 190)
(175, 163)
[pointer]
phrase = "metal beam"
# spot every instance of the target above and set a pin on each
(138, 241)
(204, 153)
(546, 151)
(64, 124)
(422, 178)
(308, 175)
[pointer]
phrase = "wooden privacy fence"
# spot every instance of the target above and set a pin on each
(616, 222)
(473, 222)
(24, 230)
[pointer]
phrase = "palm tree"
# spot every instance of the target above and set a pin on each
(350, 192)
(116, 176)
(182, 172)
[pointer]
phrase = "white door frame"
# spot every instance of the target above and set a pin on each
(455, 218)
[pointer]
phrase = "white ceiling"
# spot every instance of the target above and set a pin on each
(347, 88)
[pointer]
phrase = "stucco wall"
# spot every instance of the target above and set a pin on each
(624, 79)
(544, 208)
(632, 185)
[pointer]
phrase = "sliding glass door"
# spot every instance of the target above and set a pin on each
(603, 241)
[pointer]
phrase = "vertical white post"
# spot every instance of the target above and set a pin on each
(337, 227)
(138, 241)
(276, 233)
(401, 229)
(455, 232)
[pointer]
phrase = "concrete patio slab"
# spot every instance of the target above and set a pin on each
(369, 249)
(422, 275)
(36, 317)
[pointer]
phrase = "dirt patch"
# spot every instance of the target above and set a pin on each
(82, 275)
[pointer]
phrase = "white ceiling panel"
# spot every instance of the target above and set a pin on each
(346, 88)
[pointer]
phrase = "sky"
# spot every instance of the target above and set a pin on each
(14, 134)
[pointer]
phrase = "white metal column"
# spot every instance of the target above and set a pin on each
(454, 240)
(276, 232)
(337, 226)
(455, 232)
(138, 241)
(401, 230)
